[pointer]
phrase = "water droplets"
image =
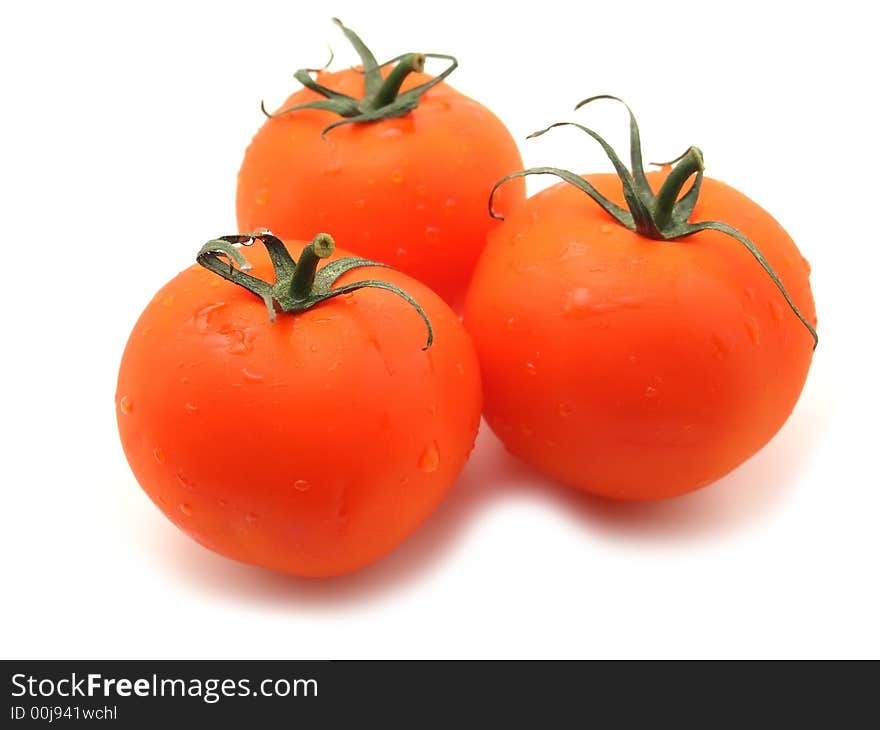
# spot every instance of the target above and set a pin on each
(510, 324)
(184, 481)
(650, 392)
(167, 300)
(429, 460)
(334, 167)
(186, 509)
(251, 376)
(577, 302)
(432, 234)
(202, 314)
(262, 196)
(397, 177)
(606, 228)
(125, 405)
(302, 485)
(239, 341)
(720, 346)
(565, 410)
(754, 330)
(251, 518)
(390, 133)
(190, 407)
(531, 369)
(776, 311)
(159, 455)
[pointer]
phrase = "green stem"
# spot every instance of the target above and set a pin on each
(690, 163)
(382, 98)
(665, 216)
(304, 275)
(302, 288)
(387, 93)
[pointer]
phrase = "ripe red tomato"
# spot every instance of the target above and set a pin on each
(639, 364)
(403, 179)
(313, 444)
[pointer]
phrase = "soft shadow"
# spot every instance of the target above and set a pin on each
(752, 492)
(484, 480)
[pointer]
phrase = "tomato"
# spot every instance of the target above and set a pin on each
(313, 444)
(639, 365)
(405, 183)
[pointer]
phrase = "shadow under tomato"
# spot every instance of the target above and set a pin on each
(749, 493)
(492, 476)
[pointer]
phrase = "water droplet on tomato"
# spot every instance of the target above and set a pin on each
(252, 376)
(222, 503)
(421, 190)
(432, 233)
(750, 293)
(565, 410)
(190, 407)
(776, 311)
(301, 485)
(334, 167)
(754, 330)
(577, 302)
(397, 177)
(251, 518)
(606, 228)
(125, 405)
(262, 196)
(450, 204)
(167, 300)
(203, 312)
(390, 132)
(184, 481)
(531, 369)
(186, 509)
(650, 392)
(159, 455)
(161, 500)
(720, 347)
(511, 323)
(400, 252)
(430, 458)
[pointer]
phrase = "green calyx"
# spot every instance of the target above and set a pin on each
(382, 96)
(664, 216)
(298, 285)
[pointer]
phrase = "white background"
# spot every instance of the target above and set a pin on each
(122, 130)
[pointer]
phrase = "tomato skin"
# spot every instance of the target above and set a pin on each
(313, 445)
(632, 368)
(409, 191)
